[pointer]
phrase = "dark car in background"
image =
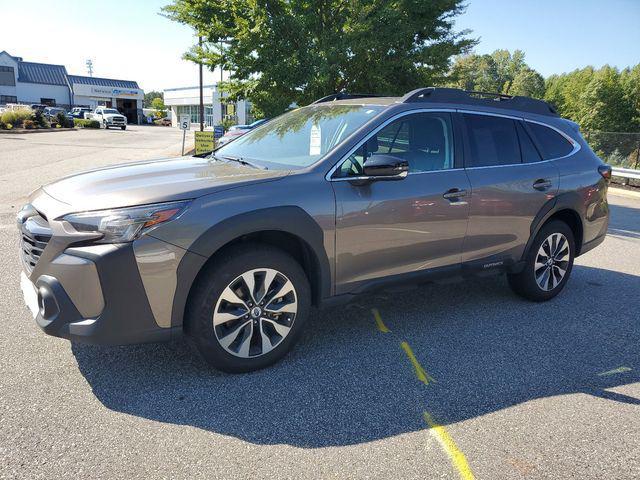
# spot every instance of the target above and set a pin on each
(344, 196)
(78, 112)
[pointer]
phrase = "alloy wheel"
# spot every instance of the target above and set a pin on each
(255, 312)
(552, 261)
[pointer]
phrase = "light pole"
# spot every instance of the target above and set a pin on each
(201, 92)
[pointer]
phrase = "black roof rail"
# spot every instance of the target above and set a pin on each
(485, 99)
(342, 96)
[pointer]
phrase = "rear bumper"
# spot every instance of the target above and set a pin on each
(593, 243)
(126, 316)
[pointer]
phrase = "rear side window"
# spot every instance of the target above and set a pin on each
(529, 151)
(492, 140)
(552, 143)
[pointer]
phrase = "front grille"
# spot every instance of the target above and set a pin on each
(35, 234)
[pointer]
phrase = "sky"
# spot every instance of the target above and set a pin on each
(130, 40)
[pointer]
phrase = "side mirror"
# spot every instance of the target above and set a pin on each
(386, 167)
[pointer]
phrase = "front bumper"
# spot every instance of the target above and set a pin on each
(94, 293)
(126, 317)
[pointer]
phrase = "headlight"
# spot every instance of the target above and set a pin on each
(126, 224)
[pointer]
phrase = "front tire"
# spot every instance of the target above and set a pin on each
(248, 308)
(548, 264)
(124, 127)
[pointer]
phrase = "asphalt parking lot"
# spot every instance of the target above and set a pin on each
(442, 381)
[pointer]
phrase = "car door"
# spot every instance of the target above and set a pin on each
(394, 227)
(510, 184)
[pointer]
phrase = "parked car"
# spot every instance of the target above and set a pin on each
(108, 117)
(165, 122)
(51, 112)
(321, 204)
(79, 112)
(236, 131)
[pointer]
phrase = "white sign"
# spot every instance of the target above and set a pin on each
(185, 122)
(315, 141)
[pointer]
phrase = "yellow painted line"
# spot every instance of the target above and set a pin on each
(455, 455)
(421, 373)
(379, 323)
(614, 371)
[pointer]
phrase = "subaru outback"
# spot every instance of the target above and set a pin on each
(349, 194)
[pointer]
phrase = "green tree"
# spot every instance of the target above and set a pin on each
(494, 73)
(528, 83)
(630, 80)
(284, 51)
(150, 96)
(603, 105)
(160, 109)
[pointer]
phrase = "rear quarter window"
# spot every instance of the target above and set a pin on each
(492, 141)
(553, 144)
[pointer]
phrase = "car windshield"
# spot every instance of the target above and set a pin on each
(299, 138)
(110, 110)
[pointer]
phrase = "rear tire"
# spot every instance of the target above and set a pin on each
(123, 128)
(248, 308)
(548, 263)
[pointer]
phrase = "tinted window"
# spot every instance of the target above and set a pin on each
(493, 141)
(425, 140)
(552, 143)
(527, 148)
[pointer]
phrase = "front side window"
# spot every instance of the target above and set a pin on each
(492, 141)
(553, 144)
(299, 138)
(425, 140)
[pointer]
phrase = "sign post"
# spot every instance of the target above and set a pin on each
(184, 124)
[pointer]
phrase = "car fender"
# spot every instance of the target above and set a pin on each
(565, 201)
(287, 219)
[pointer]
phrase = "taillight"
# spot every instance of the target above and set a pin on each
(605, 171)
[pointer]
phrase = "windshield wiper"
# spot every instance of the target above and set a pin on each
(242, 161)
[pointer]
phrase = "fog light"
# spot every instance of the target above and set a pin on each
(47, 303)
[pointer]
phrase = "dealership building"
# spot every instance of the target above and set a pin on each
(186, 101)
(48, 84)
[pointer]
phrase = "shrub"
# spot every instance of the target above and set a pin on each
(29, 124)
(40, 119)
(80, 122)
(16, 117)
(63, 121)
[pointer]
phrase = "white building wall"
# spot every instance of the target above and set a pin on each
(189, 98)
(33, 92)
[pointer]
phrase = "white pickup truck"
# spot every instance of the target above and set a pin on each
(108, 117)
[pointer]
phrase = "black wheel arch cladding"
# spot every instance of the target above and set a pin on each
(291, 220)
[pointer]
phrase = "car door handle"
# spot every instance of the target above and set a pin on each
(542, 184)
(454, 194)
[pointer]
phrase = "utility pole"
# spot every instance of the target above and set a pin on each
(89, 64)
(201, 92)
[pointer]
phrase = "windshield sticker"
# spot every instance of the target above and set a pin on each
(315, 140)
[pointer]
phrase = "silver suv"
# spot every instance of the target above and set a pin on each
(346, 195)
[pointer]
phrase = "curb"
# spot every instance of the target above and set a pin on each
(623, 192)
(36, 130)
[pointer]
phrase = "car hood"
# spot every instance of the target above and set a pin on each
(153, 181)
